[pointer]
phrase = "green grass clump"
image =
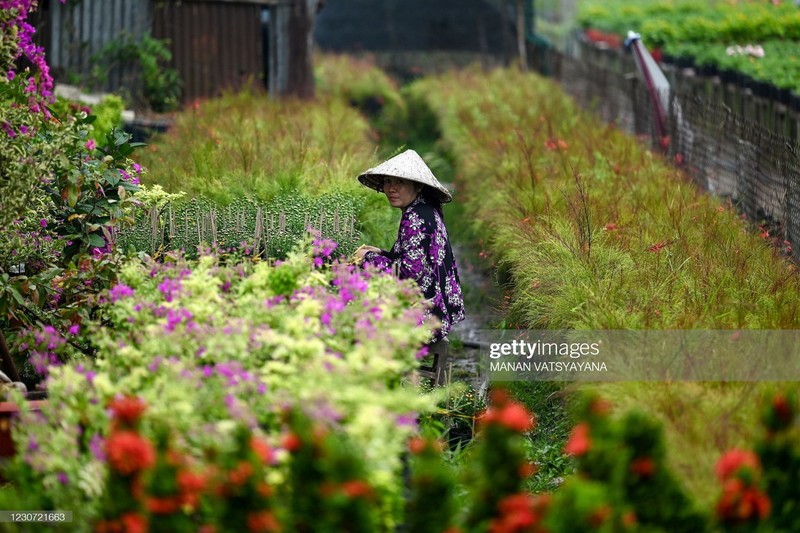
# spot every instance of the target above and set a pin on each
(246, 144)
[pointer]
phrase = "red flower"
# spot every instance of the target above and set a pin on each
(516, 418)
(735, 460)
(239, 475)
(740, 503)
(291, 442)
(519, 512)
(262, 449)
(643, 466)
(600, 407)
(128, 409)
(264, 490)
(527, 469)
(499, 397)
(600, 515)
(356, 488)
(262, 521)
(128, 452)
(579, 441)
(610, 226)
(556, 144)
(191, 481)
(417, 445)
(658, 246)
(629, 519)
(134, 523)
(782, 408)
(191, 484)
(163, 506)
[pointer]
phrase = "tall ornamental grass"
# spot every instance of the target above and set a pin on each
(598, 232)
(246, 145)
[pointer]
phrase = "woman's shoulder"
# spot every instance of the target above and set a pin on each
(422, 209)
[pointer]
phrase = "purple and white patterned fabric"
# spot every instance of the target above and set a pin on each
(422, 252)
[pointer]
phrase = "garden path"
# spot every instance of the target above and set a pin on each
(480, 298)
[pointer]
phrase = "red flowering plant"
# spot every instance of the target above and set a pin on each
(621, 482)
(326, 484)
(129, 455)
(759, 488)
(237, 493)
(499, 468)
(779, 453)
(429, 479)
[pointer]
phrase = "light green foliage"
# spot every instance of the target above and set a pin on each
(357, 81)
(247, 145)
(661, 22)
(107, 114)
(208, 344)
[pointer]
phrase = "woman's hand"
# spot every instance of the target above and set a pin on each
(363, 249)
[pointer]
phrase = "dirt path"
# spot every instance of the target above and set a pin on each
(481, 301)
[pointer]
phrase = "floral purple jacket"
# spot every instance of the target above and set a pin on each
(422, 252)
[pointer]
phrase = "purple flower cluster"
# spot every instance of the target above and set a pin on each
(128, 178)
(323, 248)
(176, 317)
(17, 24)
(44, 352)
(170, 288)
(120, 291)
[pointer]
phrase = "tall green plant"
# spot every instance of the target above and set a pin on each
(160, 84)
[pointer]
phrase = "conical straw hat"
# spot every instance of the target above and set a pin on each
(408, 165)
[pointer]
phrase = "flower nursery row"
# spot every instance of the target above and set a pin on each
(757, 40)
(597, 232)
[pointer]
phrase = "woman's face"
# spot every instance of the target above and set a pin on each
(399, 191)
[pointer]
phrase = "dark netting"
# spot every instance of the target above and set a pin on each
(743, 160)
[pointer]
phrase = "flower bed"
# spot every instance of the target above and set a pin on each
(210, 345)
(708, 34)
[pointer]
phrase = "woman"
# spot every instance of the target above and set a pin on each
(422, 251)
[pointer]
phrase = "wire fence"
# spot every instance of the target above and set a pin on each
(733, 143)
